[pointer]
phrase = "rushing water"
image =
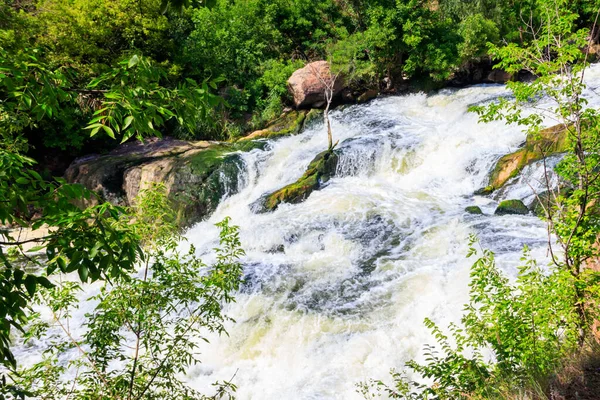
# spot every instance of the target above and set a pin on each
(337, 287)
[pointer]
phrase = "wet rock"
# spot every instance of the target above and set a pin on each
(307, 84)
(197, 175)
(549, 141)
(511, 207)
(499, 76)
(289, 123)
(548, 200)
(320, 170)
(475, 210)
(313, 117)
(368, 95)
(484, 191)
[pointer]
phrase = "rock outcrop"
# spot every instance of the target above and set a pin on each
(320, 170)
(550, 141)
(307, 84)
(197, 175)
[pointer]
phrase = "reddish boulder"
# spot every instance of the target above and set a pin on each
(308, 84)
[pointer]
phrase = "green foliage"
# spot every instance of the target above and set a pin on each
(145, 327)
(555, 56)
(274, 82)
(512, 333)
(31, 92)
(253, 45)
(135, 103)
(476, 32)
(351, 57)
(96, 241)
(93, 35)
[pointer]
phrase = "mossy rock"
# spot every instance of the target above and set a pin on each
(475, 210)
(549, 141)
(197, 175)
(314, 116)
(507, 207)
(320, 170)
(484, 191)
(547, 199)
(290, 123)
(201, 180)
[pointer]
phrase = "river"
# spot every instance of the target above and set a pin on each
(337, 287)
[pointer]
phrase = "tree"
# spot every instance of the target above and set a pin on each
(96, 241)
(328, 80)
(145, 327)
(558, 55)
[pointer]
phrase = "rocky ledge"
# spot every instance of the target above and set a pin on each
(197, 175)
(549, 141)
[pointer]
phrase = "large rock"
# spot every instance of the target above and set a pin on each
(319, 171)
(475, 210)
(197, 175)
(550, 141)
(307, 84)
(508, 207)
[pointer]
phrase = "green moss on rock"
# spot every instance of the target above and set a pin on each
(549, 141)
(314, 116)
(484, 191)
(319, 171)
(512, 207)
(290, 123)
(475, 210)
(201, 179)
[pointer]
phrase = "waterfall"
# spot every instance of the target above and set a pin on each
(337, 287)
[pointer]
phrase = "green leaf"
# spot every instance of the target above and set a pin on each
(133, 61)
(83, 273)
(30, 284)
(94, 131)
(108, 131)
(18, 275)
(35, 249)
(127, 122)
(42, 280)
(95, 249)
(62, 263)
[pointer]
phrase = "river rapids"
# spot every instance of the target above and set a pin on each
(337, 287)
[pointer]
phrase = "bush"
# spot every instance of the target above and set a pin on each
(513, 336)
(143, 331)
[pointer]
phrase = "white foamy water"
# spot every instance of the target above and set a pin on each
(337, 287)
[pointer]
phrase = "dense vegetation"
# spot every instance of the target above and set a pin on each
(79, 75)
(243, 49)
